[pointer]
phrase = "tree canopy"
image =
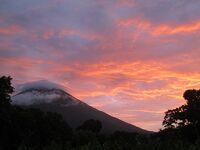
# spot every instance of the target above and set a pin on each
(5, 90)
(91, 125)
(187, 114)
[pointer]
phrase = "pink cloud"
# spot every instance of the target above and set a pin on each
(10, 30)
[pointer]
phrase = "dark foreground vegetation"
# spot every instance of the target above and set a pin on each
(32, 129)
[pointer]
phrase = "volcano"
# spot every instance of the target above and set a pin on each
(74, 111)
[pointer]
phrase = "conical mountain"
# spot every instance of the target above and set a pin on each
(74, 111)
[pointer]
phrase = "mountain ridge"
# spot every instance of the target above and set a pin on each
(74, 111)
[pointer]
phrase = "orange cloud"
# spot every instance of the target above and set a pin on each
(175, 82)
(10, 30)
(166, 29)
(163, 29)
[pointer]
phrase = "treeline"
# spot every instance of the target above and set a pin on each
(33, 129)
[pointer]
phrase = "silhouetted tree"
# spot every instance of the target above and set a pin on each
(186, 118)
(37, 129)
(91, 125)
(193, 106)
(176, 117)
(5, 111)
(187, 114)
(5, 90)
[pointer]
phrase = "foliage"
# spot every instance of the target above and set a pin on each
(186, 118)
(187, 114)
(5, 90)
(91, 125)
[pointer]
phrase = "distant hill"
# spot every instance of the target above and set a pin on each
(74, 111)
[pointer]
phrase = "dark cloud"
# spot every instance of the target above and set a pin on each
(169, 11)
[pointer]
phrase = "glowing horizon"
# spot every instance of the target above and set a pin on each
(132, 59)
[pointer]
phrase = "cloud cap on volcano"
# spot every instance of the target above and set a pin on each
(41, 84)
(25, 97)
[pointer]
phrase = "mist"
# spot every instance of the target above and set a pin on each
(41, 84)
(36, 97)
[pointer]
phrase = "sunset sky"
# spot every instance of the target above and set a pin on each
(132, 59)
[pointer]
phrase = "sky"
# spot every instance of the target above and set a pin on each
(132, 59)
